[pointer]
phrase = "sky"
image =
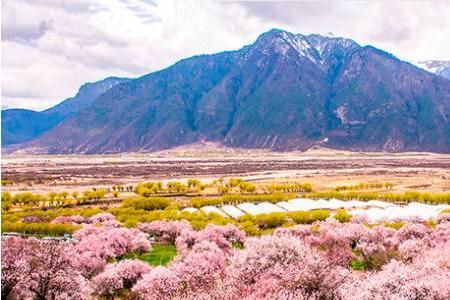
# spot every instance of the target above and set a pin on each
(49, 48)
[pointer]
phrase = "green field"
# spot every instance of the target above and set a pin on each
(160, 255)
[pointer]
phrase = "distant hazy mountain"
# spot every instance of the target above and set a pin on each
(439, 67)
(21, 125)
(285, 92)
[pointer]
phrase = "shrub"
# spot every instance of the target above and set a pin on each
(308, 217)
(273, 198)
(290, 187)
(201, 201)
(271, 220)
(39, 228)
(342, 216)
(151, 203)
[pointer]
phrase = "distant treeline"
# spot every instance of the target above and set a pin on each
(365, 186)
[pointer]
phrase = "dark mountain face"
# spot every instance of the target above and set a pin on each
(21, 125)
(285, 92)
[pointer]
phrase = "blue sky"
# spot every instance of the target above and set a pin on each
(51, 47)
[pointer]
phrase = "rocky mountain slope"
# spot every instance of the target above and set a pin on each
(284, 92)
(21, 125)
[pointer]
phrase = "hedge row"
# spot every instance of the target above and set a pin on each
(41, 228)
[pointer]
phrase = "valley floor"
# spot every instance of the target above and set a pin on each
(324, 169)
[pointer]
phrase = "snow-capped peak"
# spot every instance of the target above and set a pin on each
(314, 47)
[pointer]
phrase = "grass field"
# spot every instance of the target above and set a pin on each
(160, 255)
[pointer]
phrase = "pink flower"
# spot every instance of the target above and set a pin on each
(222, 236)
(443, 218)
(165, 231)
(102, 217)
(117, 276)
(202, 269)
(42, 270)
(284, 261)
(14, 263)
(69, 220)
(397, 280)
(98, 243)
(159, 283)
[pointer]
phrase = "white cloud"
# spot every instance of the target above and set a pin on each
(51, 47)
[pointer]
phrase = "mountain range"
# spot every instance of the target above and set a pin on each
(284, 92)
(22, 125)
(439, 67)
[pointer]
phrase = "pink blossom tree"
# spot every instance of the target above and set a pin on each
(105, 219)
(397, 280)
(43, 270)
(160, 283)
(99, 243)
(202, 269)
(75, 219)
(165, 231)
(272, 262)
(118, 276)
(14, 263)
(378, 246)
(222, 236)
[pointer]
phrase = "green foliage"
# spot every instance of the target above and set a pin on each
(150, 203)
(246, 187)
(273, 198)
(195, 185)
(160, 255)
(6, 205)
(233, 182)
(278, 219)
(395, 225)
(150, 188)
(342, 216)
(222, 190)
(6, 182)
(365, 186)
(6, 196)
(357, 265)
(147, 189)
(410, 196)
(177, 187)
(309, 217)
(250, 228)
(49, 214)
(92, 195)
(27, 199)
(202, 201)
(236, 199)
(47, 229)
(290, 187)
(271, 220)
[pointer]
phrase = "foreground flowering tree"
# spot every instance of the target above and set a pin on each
(14, 264)
(323, 261)
(40, 270)
(271, 267)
